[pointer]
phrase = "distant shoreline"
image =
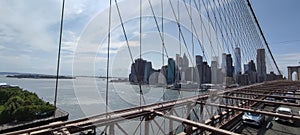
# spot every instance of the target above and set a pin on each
(38, 76)
(51, 76)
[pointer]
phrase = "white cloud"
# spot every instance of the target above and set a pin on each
(25, 24)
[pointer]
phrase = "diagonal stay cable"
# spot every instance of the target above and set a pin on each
(235, 24)
(202, 22)
(180, 30)
(127, 43)
(257, 36)
(263, 36)
(193, 29)
(158, 29)
(210, 19)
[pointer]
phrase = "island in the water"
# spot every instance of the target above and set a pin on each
(39, 76)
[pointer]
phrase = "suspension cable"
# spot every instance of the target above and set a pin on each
(263, 36)
(129, 50)
(58, 55)
(180, 30)
(158, 29)
(141, 93)
(108, 53)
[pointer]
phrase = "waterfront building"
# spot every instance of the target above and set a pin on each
(147, 72)
(162, 78)
(154, 77)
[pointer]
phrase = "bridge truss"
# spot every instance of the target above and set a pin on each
(194, 115)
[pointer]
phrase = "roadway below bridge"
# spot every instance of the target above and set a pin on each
(270, 126)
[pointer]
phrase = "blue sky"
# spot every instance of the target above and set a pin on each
(29, 34)
(279, 20)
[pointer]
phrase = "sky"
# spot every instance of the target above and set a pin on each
(29, 35)
(279, 20)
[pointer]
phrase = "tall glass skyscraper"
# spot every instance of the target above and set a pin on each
(171, 71)
(237, 60)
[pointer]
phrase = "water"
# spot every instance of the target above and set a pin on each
(85, 96)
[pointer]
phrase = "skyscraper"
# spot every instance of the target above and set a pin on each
(229, 67)
(147, 72)
(261, 65)
(137, 71)
(223, 65)
(199, 60)
(199, 65)
(238, 65)
(178, 60)
(171, 71)
(251, 71)
(162, 78)
(214, 72)
(185, 62)
(206, 76)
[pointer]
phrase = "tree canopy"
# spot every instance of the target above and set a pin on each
(22, 105)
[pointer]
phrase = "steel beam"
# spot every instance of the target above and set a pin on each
(266, 95)
(292, 117)
(196, 124)
(262, 101)
(269, 91)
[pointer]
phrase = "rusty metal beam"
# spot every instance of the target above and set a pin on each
(270, 91)
(292, 117)
(262, 101)
(266, 95)
(196, 124)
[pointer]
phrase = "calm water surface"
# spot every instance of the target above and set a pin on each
(85, 96)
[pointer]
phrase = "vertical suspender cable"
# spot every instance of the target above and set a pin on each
(140, 44)
(59, 50)
(178, 11)
(128, 46)
(140, 29)
(107, 63)
(163, 38)
(158, 29)
(192, 32)
(141, 57)
(162, 32)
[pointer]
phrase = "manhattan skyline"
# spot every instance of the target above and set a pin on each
(29, 33)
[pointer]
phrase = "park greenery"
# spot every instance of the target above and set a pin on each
(17, 105)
